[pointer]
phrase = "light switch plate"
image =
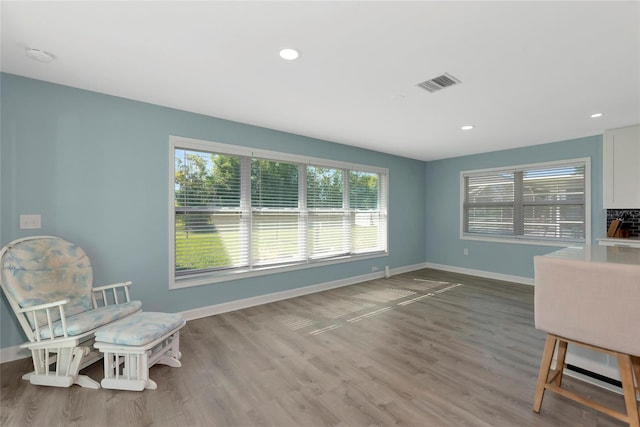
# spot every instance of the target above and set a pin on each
(30, 222)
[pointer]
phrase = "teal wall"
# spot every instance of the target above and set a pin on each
(96, 168)
(444, 245)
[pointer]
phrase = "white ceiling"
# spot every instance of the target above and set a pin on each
(531, 72)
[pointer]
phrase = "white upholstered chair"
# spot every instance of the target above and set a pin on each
(594, 305)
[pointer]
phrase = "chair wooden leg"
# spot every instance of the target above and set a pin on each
(545, 366)
(629, 389)
(562, 355)
(635, 362)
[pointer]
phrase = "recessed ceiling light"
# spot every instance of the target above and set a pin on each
(39, 55)
(289, 54)
(596, 115)
(467, 127)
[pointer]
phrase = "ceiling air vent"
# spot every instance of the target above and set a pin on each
(439, 82)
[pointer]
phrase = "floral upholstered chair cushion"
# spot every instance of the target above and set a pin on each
(91, 319)
(140, 328)
(46, 270)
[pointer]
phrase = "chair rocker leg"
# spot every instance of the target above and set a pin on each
(68, 362)
(170, 354)
(172, 357)
(87, 382)
(169, 361)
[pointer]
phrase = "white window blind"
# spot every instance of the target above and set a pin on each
(239, 212)
(276, 215)
(328, 228)
(368, 216)
(538, 202)
(209, 219)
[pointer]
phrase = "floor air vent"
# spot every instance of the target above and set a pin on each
(439, 83)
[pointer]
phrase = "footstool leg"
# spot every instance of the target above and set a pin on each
(173, 354)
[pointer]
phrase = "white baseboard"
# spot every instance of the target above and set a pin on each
(593, 381)
(606, 370)
(10, 354)
(408, 268)
(481, 273)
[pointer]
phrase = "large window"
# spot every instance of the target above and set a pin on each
(241, 211)
(546, 202)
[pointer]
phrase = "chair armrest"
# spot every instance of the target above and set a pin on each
(117, 291)
(115, 285)
(35, 332)
(42, 306)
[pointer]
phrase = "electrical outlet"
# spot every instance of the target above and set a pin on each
(30, 222)
(465, 251)
(374, 269)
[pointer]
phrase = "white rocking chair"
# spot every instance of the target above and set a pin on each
(48, 283)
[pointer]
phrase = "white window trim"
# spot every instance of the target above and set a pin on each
(529, 241)
(209, 279)
(199, 279)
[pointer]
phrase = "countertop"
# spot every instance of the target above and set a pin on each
(597, 253)
(619, 241)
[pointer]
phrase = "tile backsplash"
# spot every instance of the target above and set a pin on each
(633, 223)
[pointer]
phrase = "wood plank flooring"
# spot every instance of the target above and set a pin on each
(426, 348)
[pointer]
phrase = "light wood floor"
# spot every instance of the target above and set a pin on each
(426, 348)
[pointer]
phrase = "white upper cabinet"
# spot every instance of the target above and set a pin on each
(621, 169)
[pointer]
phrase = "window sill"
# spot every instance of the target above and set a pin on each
(522, 241)
(210, 278)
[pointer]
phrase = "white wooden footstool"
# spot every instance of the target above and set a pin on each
(134, 344)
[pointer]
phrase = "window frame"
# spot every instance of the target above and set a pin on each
(211, 277)
(529, 240)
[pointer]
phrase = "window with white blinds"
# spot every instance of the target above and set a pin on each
(236, 210)
(542, 202)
